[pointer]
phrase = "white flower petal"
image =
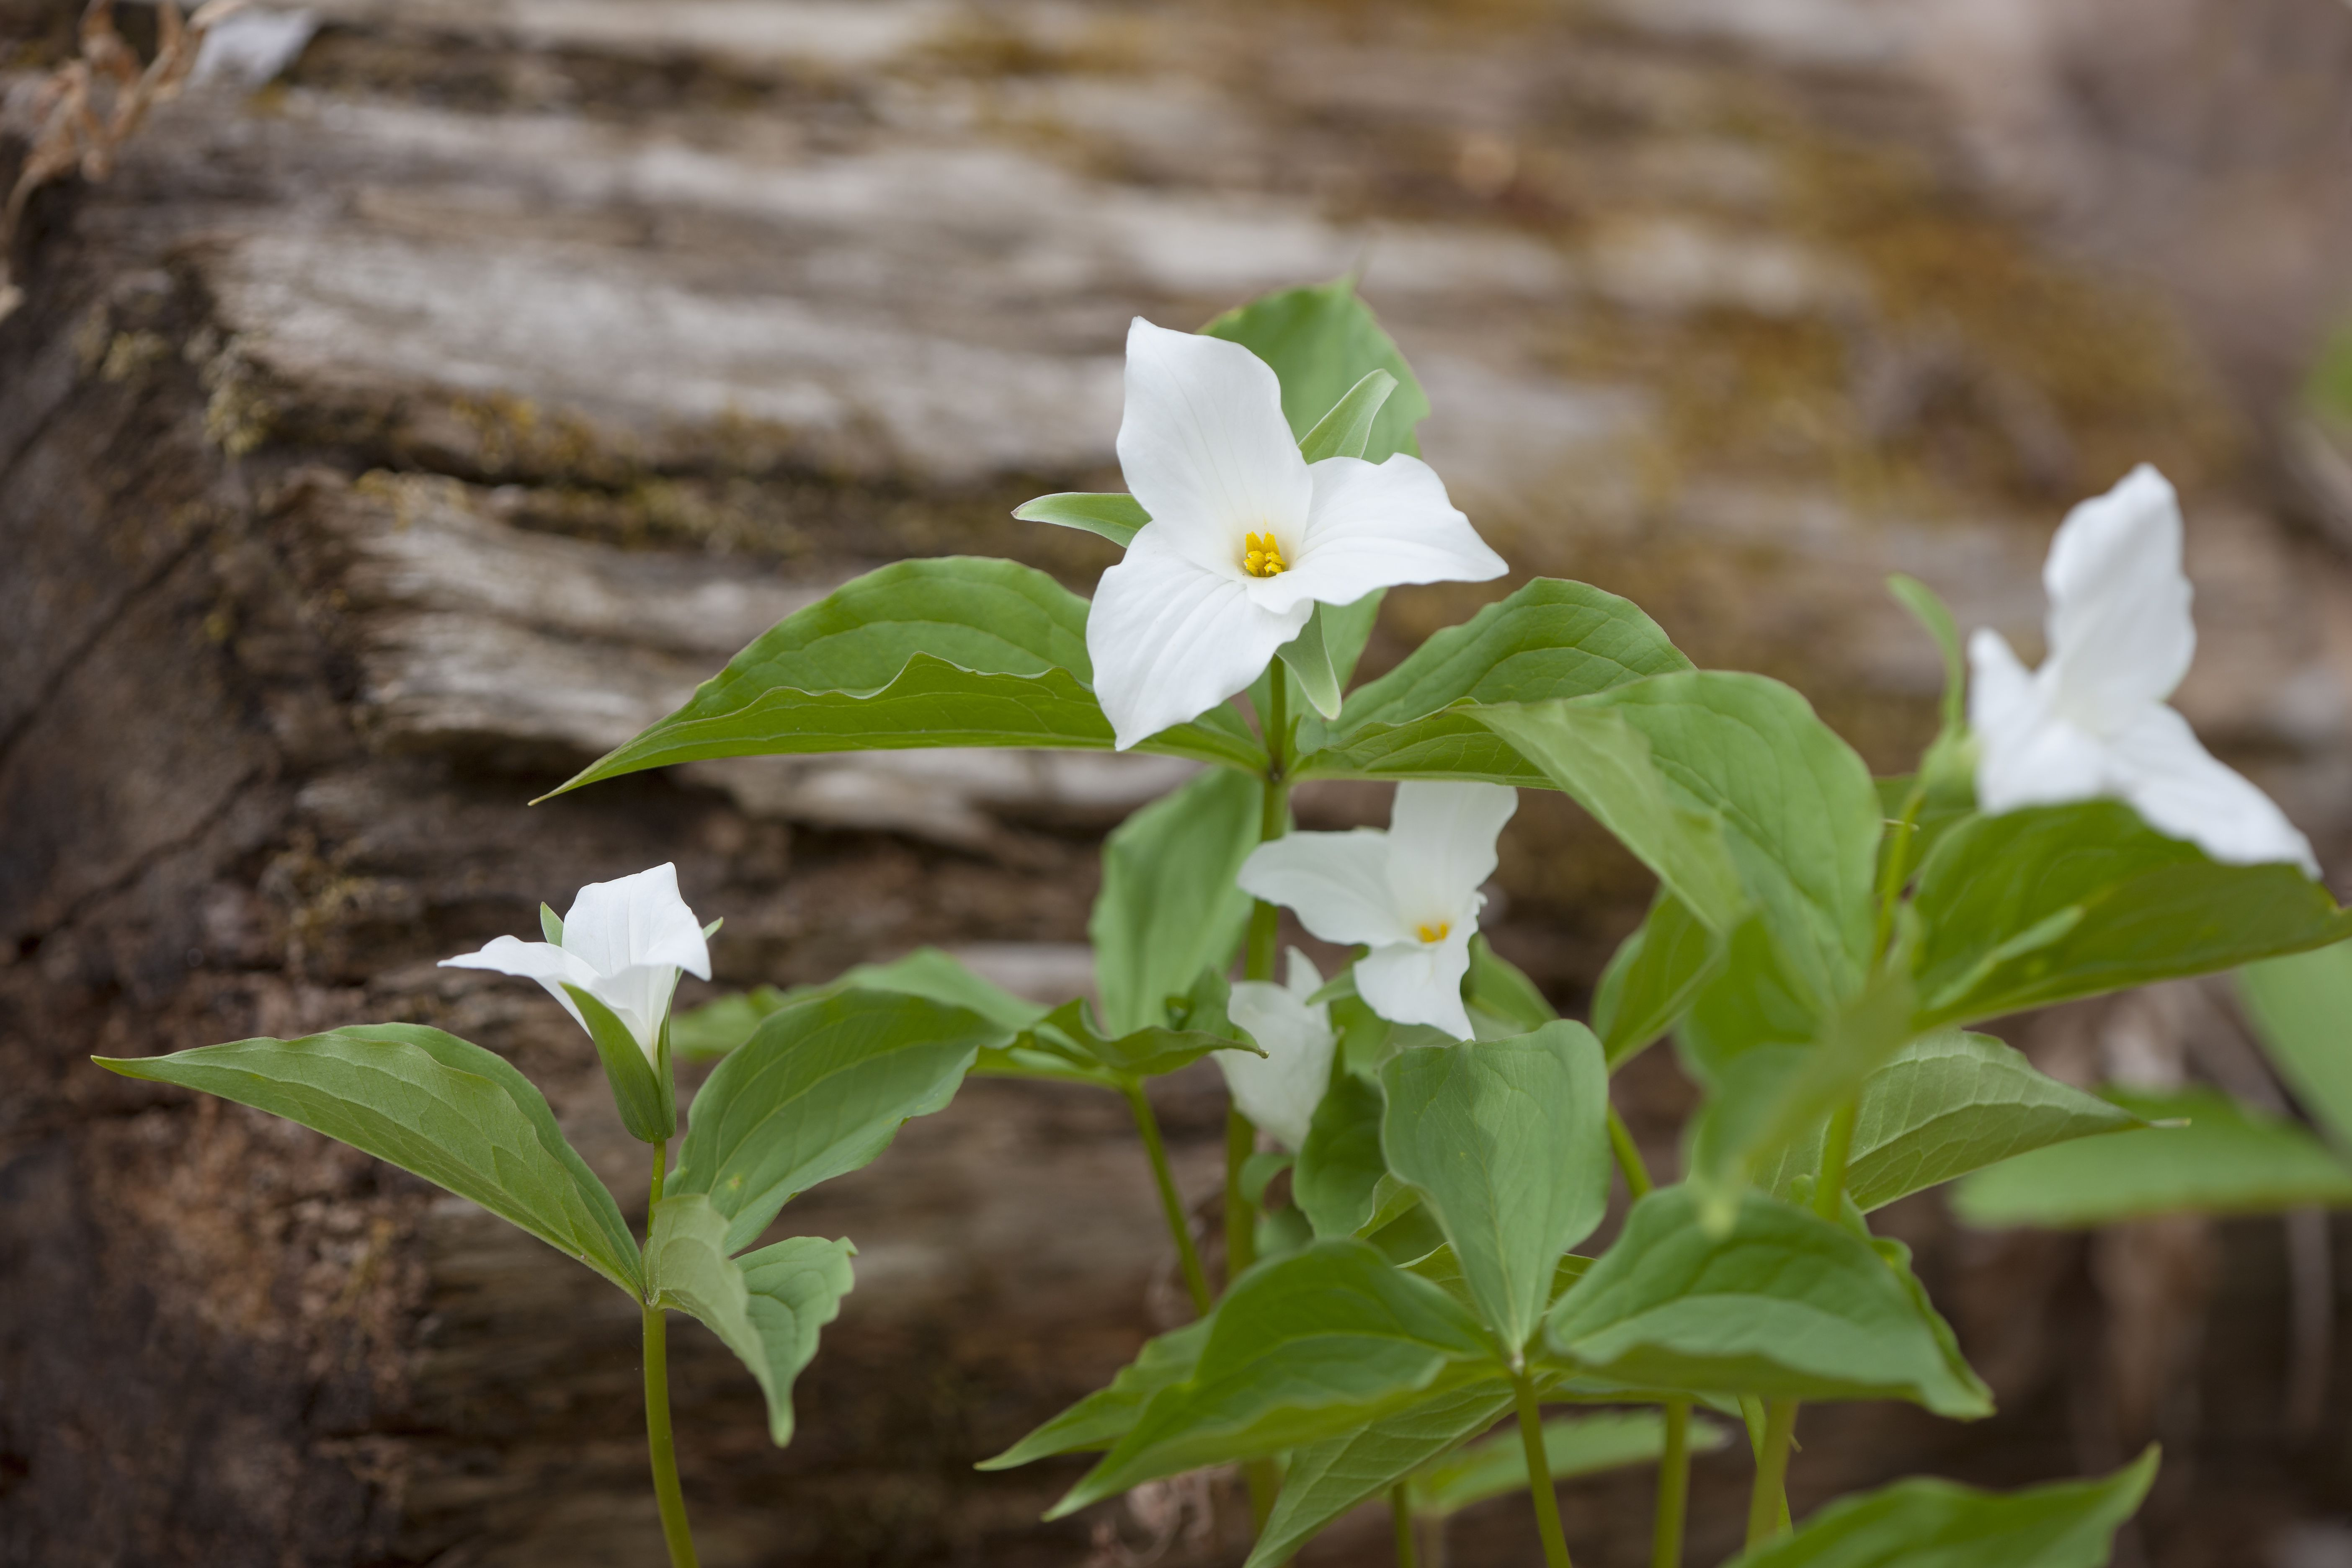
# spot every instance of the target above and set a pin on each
(1279, 1091)
(635, 920)
(1337, 882)
(1379, 526)
(1419, 982)
(2027, 754)
(544, 961)
(1203, 444)
(2120, 633)
(1442, 847)
(639, 996)
(2184, 791)
(1170, 640)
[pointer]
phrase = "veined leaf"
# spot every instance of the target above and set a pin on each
(1926, 1523)
(1652, 979)
(2301, 1008)
(1309, 1346)
(1114, 516)
(1328, 1478)
(1573, 1445)
(1170, 906)
(1501, 999)
(1321, 340)
(1509, 1143)
(1551, 639)
(432, 1104)
(1069, 1033)
(955, 651)
(2050, 903)
(1340, 1169)
(2228, 1159)
(819, 1089)
(717, 1027)
(1787, 1305)
(1948, 1105)
(767, 1308)
(1104, 1417)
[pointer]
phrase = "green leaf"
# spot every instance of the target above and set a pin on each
(1947, 1105)
(767, 1308)
(2228, 1159)
(2301, 1008)
(1310, 662)
(644, 1095)
(717, 1027)
(1170, 906)
(1321, 342)
(1551, 639)
(820, 1089)
(955, 651)
(1931, 614)
(1116, 517)
(1923, 1524)
(1340, 1169)
(2054, 902)
(1107, 1414)
(1067, 1032)
(1573, 1445)
(1346, 628)
(1787, 1305)
(1326, 1479)
(1508, 1142)
(433, 1105)
(1347, 430)
(1306, 1347)
(1500, 996)
(1653, 978)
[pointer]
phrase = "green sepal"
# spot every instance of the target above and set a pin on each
(642, 1090)
(1114, 516)
(551, 926)
(1310, 662)
(1347, 430)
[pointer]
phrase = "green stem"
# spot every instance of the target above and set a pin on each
(1539, 1487)
(1638, 1185)
(1837, 1147)
(1768, 1504)
(1401, 1516)
(1171, 1202)
(1898, 865)
(1674, 1489)
(667, 1492)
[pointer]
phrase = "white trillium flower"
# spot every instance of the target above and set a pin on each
(1411, 894)
(1246, 536)
(2092, 722)
(1279, 1091)
(624, 943)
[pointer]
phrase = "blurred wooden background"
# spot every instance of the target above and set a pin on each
(439, 389)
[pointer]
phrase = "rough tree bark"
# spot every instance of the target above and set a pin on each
(377, 446)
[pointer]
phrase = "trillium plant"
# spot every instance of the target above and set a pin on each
(1440, 1301)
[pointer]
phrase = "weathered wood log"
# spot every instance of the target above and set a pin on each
(376, 447)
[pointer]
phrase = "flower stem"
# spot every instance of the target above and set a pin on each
(667, 1492)
(1629, 1157)
(1837, 1148)
(1539, 1488)
(1401, 1515)
(1768, 1504)
(1674, 1489)
(1171, 1202)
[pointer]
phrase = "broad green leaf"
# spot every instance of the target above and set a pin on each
(2228, 1159)
(1502, 1000)
(645, 1096)
(767, 1308)
(1346, 628)
(1347, 430)
(1321, 342)
(432, 1104)
(2301, 1008)
(2054, 902)
(1104, 1417)
(1787, 1305)
(1312, 1345)
(1551, 639)
(1116, 517)
(1340, 1169)
(1170, 906)
(1509, 1143)
(1143, 1053)
(1924, 1523)
(1652, 979)
(956, 651)
(717, 1027)
(820, 1089)
(1948, 1105)
(1324, 1479)
(1573, 1445)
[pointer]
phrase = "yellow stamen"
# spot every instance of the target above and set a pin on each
(1261, 557)
(1436, 932)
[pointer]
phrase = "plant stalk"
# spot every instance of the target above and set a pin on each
(1401, 1516)
(1539, 1488)
(1674, 1489)
(1768, 1504)
(1837, 1148)
(1638, 1183)
(1171, 1202)
(676, 1532)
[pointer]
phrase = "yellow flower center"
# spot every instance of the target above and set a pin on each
(1261, 557)
(1437, 932)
